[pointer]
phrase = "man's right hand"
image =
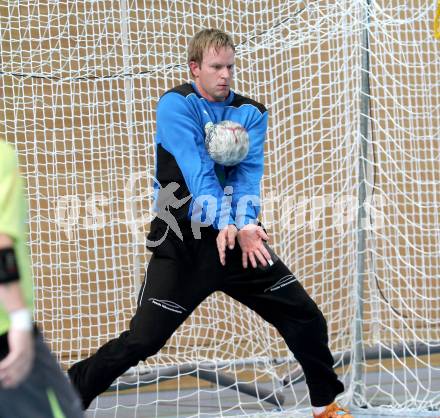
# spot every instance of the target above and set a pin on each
(226, 237)
(251, 239)
(15, 367)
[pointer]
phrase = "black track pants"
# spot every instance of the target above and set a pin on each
(180, 275)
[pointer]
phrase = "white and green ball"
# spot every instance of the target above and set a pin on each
(227, 142)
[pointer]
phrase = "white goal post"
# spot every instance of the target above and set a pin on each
(353, 90)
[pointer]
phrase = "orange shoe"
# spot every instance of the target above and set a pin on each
(334, 411)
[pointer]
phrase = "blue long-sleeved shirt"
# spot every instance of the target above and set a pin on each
(182, 114)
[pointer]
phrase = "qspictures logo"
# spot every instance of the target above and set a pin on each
(143, 198)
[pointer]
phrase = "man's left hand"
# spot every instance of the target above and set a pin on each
(251, 239)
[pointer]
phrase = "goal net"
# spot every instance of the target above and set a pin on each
(80, 81)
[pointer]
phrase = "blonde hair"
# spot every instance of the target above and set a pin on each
(206, 39)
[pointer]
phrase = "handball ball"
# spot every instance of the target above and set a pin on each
(227, 142)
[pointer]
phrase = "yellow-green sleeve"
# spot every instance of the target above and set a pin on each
(11, 199)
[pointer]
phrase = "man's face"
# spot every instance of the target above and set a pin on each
(214, 76)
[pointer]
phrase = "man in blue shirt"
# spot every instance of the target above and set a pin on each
(203, 209)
